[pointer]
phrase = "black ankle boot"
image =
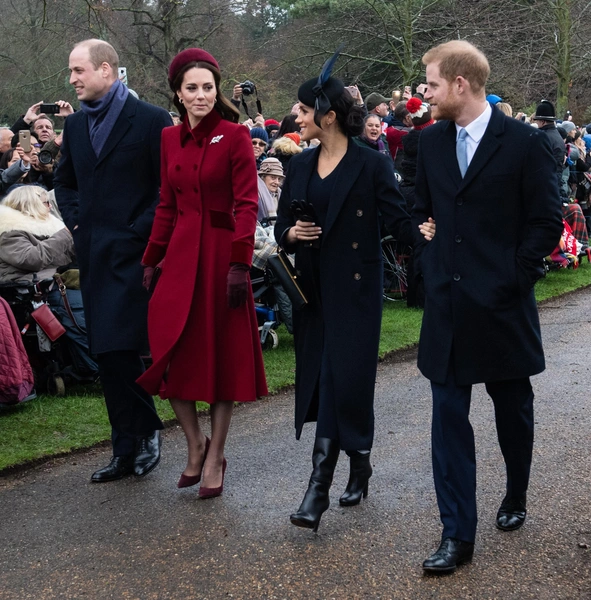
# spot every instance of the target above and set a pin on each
(316, 501)
(360, 472)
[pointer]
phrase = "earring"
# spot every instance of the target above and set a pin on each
(180, 100)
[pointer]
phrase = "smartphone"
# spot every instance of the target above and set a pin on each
(49, 109)
(24, 139)
(352, 90)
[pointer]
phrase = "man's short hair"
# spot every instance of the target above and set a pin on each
(100, 52)
(43, 116)
(400, 112)
(460, 58)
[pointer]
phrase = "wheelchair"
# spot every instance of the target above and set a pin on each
(52, 363)
(396, 260)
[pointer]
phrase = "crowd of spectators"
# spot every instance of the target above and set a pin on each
(393, 126)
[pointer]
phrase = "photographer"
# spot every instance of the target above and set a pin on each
(29, 119)
(48, 145)
(18, 166)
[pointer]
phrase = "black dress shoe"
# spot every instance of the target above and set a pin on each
(512, 513)
(147, 455)
(119, 467)
(450, 554)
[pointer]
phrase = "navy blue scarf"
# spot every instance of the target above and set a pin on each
(103, 113)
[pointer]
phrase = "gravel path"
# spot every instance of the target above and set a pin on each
(62, 537)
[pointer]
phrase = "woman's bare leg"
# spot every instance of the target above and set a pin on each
(221, 415)
(187, 416)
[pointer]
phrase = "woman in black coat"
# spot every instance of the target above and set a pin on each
(340, 191)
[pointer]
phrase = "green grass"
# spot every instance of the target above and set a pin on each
(50, 425)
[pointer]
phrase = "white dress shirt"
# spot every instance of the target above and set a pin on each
(475, 131)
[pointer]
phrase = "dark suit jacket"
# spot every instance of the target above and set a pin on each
(111, 199)
(494, 227)
(343, 319)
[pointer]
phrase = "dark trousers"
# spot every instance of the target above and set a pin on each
(131, 409)
(453, 451)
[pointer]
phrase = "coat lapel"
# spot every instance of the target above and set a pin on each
(121, 127)
(304, 172)
(447, 152)
(349, 170)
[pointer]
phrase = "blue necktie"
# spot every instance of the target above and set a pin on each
(462, 151)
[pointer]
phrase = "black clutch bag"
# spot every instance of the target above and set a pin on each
(285, 274)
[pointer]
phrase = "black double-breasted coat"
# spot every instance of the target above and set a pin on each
(494, 227)
(108, 204)
(342, 321)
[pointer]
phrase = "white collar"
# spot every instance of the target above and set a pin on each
(478, 126)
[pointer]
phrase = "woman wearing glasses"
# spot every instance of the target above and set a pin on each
(202, 323)
(260, 141)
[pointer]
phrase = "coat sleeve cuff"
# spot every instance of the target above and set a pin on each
(241, 253)
(153, 255)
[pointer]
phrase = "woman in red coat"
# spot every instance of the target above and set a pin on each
(201, 321)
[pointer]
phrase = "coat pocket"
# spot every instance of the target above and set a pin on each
(222, 220)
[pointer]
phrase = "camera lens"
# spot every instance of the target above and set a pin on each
(45, 157)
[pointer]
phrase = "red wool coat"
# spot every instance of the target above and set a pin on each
(205, 220)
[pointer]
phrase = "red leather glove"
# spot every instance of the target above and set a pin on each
(238, 284)
(148, 274)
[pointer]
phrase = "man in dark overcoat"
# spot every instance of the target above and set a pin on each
(107, 187)
(489, 184)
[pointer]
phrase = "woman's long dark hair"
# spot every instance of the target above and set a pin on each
(350, 116)
(223, 106)
(288, 125)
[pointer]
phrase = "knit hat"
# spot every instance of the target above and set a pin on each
(271, 166)
(374, 100)
(545, 111)
(293, 136)
(271, 122)
(184, 58)
(420, 112)
(493, 99)
(561, 131)
(259, 133)
(568, 126)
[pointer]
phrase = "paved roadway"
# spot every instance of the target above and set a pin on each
(61, 537)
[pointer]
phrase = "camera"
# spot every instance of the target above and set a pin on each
(248, 87)
(49, 109)
(48, 153)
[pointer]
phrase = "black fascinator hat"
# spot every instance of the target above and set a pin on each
(323, 91)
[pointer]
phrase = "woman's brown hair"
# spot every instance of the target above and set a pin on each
(223, 106)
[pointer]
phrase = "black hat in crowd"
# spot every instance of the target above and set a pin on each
(322, 91)
(545, 111)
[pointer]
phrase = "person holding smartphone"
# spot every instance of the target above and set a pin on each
(332, 202)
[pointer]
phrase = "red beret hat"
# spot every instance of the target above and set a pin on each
(185, 57)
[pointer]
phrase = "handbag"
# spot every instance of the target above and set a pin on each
(52, 328)
(286, 275)
(61, 284)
